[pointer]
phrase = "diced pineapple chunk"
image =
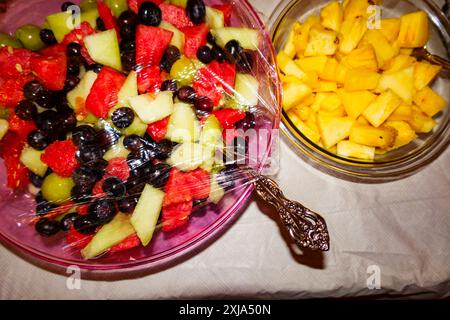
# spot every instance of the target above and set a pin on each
(390, 28)
(424, 73)
(383, 49)
(405, 134)
(356, 8)
(406, 51)
(401, 82)
(321, 42)
(362, 121)
(383, 106)
(414, 30)
(334, 71)
(333, 129)
(326, 86)
(382, 137)
(311, 79)
(363, 58)
(356, 80)
(402, 113)
(302, 37)
(294, 93)
(429, 101)
(356, 102)
(332, 15)
(303, 112)
(338, 112)
(308, 132)
(331, 102)
(352, 31)
(354, 150)
(316, 64)
(288, 66)
(289, 47)
(399, 62)
(421, 123)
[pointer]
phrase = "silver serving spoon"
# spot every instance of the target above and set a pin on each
(424, 54)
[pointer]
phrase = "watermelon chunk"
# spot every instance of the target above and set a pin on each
(151, 43)
(229, 117)
(55, 50)
(78, 35)
(149, 79)
(195, 37)
(198, 182)
(175, 15)
(157, 130)
(51, 70)
(106, 15)
(104, 92)
(176, 215)
(20, 127)
(11, 90)
(16, 172)
(226, 10)
(14, 62)
(130, 242)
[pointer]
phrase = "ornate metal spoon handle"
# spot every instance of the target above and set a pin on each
(307, 228)
(424, 54)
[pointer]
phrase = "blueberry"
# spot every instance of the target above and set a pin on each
(164, 149)
(169, 85)
(150, 14)
(74, 49)
(135, 186)
(103, 210)
(127, 205)
(81, 193)
(234, 50)
(73, 68)
(32, 89)
(96, 67)
(123, 117)
(114, 187)
(38, 140)
(47, 36)
(127, 18)
(210, 39)
(196, 11)
(128, 32)
(84, 135)
(67, 221)
(128, 46)
(99, 165)
(26, 110)
(44, 207)
(49, 122)
(35, 179)
(100, 25)
(204, 54)
(65, 6)
(247, 123)
(159, 175)
(107, 137)
(47, 228)
(133, 143)
(69, 121)
(46, 99)
(218, 54)
(85, 176)
(71, 82)
(86, 224)
(89, 154)
(128, 60)
(199, 202)
(203, 104)
(173, 54)
(227, 177)
(186, 94)
(245, 62)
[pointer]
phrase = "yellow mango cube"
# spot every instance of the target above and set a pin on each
(321, 42)
(331, 102)
(400, 82)
(356, 80)
(351, 149)
(363, 58)
(356, 102)
(334, 129)
(383, 106)
(424, 73)
(382, 137)
(316, 64)
(405, 134)
(332, 15)
(429, 101)
(390, 28)
(414, 30)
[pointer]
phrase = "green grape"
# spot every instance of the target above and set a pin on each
(56, 188)
(87, 5)
(117, 6)
(183, 71)
(7, 40)
(29, 36)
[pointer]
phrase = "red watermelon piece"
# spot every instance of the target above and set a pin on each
(78, 35)
(128, 243)
(51, 71)
(20, 127)
(157, 130)
(106, 15)
(175, 15)
(151, 43)
(11, 90)
(226, 10)
(149, 79)
(195, 37)
(16, 172)
(14, 62)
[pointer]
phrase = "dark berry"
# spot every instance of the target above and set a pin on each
(123, 117)
(89, 154)
(84, 135)
(47, 37)
(164, 149)
(65, 6)
(247, 123)
(203, 104)
(196, 11)
(67, 221)
(69, 121)
(100, 25)
(150, 14)
(73, 68)
(103, 210)
(38, 140)
(173, 54)
(96, 67)
(159, 175)
(245, 62)
(227, 177)
(32, 89)
(85, 176)
(81, 193)
(199, 202)
(233, 49)
(71, 82)
(127, 205)
(128, 32)
(210, 39)
(44, 207)
(127, 18)
(135, 186)
(128, 45)
(35, 179)
(107, 137)
(26, 110)
(49, 122)
(46, 99)
(86, 224)
(114, 187)
(218, 54)
(74, 49)
(169, 85)
(47, 228)
(99, 165)
(133, 143)
(204, 54)
(186, 94)
(128, 60)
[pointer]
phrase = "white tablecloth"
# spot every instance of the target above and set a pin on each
(401, 229)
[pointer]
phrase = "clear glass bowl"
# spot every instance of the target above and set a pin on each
(393, 165)
(165, 249)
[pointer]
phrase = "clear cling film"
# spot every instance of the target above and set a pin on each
(127, 133)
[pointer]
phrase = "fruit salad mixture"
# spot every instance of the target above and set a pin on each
(114, 123)
(352, 85)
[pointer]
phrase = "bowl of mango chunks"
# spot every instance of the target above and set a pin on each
(357, 101)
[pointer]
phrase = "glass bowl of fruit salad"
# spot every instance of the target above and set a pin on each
(116, 118)
(356, 101)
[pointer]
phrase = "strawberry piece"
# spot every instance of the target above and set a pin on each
(16, 172)
(195, 37)
(60, 157)
(226, 10)
(11, 90)
(78, 35)
(229, 117)
(104, 92)
(149, 79)
(128, 243)
(106, 15)
(175, 15)
(118, 167)
(176, 215)
(76, 239)
(21, 127)
(198, 182)
(51, 71)
(98, 189)
(175, 189)
(157, 130)
(14, 62)
(151, 43)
